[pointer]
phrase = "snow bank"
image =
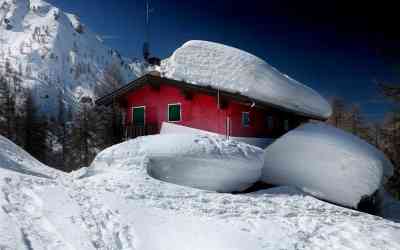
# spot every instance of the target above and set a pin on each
(13, 158)
(199, 161)
(171, 128)
(211, 64)
(118, 206)
(327, 163)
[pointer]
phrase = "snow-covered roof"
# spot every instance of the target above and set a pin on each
(230, 69)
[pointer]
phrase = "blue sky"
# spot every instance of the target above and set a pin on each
(337, 49)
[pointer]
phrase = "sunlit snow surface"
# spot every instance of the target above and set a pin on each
(200, 161)
(115, 205)
(327, 163)
(173, 128)
(226, 68)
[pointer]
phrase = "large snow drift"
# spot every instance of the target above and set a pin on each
(13, 158)
(200, 161)
(226, 68)
(172, 128)
(327, 163)
(163, 216)
(118, 206)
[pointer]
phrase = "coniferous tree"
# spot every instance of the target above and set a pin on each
(62, 130)
(338, 112)
(80, 137)
(91, 131)
(36, 131)
(8, 109)
(357, 122)
(390, 136)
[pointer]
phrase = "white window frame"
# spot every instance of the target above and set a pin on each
(246, 125)
(144, 115)
(180, 111)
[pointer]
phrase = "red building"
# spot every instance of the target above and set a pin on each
(151, 100)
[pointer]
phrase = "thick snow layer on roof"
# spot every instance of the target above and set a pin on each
(226, 68)
(327, 163)
(200, 161)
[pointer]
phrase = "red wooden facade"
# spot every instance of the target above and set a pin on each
(201, 108)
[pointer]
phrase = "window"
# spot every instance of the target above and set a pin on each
(269, 122)
(174, 112)
(286, 125)
(138, 116)
(246, 119)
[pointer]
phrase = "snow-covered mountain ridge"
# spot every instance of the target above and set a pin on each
(51, 49)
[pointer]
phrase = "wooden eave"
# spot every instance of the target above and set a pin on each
(156, 81)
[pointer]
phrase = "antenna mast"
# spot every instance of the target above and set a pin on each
(146, 45)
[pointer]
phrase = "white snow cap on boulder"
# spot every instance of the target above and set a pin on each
(230, 69)
(326, 162)
(200, 161)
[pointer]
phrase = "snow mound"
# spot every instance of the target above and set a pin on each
(171, 128)
(15, 159)
(223, 67)
(327, 163)
(199, 161)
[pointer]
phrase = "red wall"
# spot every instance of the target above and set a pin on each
(199, 112)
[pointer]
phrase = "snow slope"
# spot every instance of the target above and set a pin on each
(226, 68)
(200, 161)
(172, 128)
(52, 49)
(122, 208)
(327, 163)
(173, 217)
(13, 158)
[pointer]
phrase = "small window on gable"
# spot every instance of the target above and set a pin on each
(174, 112)
(270, 122)
(245, 119)
(286, 125)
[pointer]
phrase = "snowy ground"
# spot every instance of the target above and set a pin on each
(172, 128)
(121, 207)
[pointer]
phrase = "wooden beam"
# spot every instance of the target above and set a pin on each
(155, 86)
(187, 94)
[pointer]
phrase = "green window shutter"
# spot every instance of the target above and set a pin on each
(246, 119)
(174, 112)
(286, 125)
(269, 122)
(138, 116)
